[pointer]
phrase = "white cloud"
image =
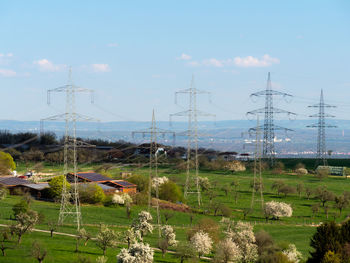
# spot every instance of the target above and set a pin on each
(46, 65)
(7, 73)
(100, 67)
(251, 61)
(213, 62)
(184, 57)
(193, 63)
(8, 55)
(112, 45)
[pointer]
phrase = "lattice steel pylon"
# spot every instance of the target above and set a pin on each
(269, 127)
(321, 125)
(70, 205)
(153, 131)
(257, 168)
(192, 134)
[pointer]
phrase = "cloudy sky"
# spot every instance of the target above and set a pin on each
(137, 54)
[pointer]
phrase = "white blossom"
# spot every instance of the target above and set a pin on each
(278, 209)
(137, 253)
(142, 223)
(121, 199)
(202, 243)
(169, 235)
(158, 181)
(292, 253)
(228, 251)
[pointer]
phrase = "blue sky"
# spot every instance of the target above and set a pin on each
(136, 54)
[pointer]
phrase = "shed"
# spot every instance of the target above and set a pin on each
(122, 186)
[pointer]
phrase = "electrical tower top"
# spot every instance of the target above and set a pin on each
(269, 127)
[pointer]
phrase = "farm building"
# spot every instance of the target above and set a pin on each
(18, 184)
(91, 177)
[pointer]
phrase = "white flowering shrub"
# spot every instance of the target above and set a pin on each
(143, 223)
(228, 251)
(121, 199)
(169, 235)
(204, 183)
(132, 236)
(137, 253)
(243, 236)
(278, 209)
(158, 181)
(293, 254)
(201, 243)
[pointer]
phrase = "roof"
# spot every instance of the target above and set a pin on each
(93, 177)
(123, 183)
(40, 186)
(12, 181)
(106, 187)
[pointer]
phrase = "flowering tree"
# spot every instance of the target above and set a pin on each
(158, 181)
(243, 236)
(25, 223)
(131, 236)
(137, 253)
(142, 223)
(277, 210)
(121, 199)
(202, 243)
(168, 238)
(106, 238)
(227, 251)
(292, 253)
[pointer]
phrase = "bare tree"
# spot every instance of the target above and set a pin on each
(38, 252)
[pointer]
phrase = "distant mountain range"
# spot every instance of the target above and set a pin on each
(220, 135)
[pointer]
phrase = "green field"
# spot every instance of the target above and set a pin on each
(297, 229)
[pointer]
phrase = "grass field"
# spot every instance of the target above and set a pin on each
(297, 229)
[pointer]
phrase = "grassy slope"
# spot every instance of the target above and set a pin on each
(296, 229)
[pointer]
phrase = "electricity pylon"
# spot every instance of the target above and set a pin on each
(70, 205)
(257, 168)
(321, 125)
(153, 131)
(192, 134)
(269, 127)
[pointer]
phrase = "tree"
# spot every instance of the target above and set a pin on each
(137, 253)
(202, 243)
(5, 237)
(184, 251)
(141, 181)
(322, 173)
(324, 195)
(341, 203)
(143, 223)
(91, 193)
(287, 189)
(277, 185)
(331, 257)
(257, 185)
(7, 165)
(168, 238)
(132, 236)
(204, 183)
(227, 251)
(20, 207)
(308, 192)
(170, 191)
(38, 252)
(25, 223)
(82, 234)
(56, 186)
(52, 227)
(300, 188)
(263, 240)
(314, 209)
(278, 209)
(292, 253)
(3, 193)
(226, 189)
(327, 238)
(167, 215)
(106, 238)
(206, 225)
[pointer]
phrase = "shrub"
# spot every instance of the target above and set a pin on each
(169, 191)
(21, 207)
(301, 171)
(121, 199)
(141, 181)
(6, 163)
(56, 185)
(91, 193)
